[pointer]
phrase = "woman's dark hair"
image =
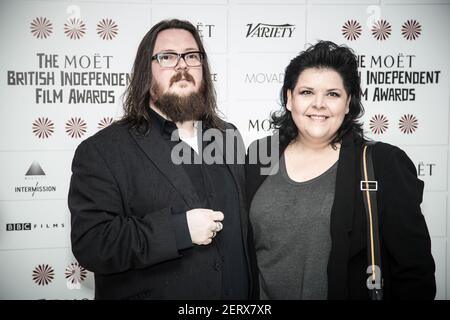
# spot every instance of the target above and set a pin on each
(324, 54)
(137, 94)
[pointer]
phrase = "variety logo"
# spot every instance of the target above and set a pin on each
(263, 30)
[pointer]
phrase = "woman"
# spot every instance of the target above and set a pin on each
(308, 218)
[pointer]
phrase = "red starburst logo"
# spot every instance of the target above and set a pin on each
(381, 30)
(105, 122)
(41, 28)
(75, 273)
(43, 128)
(107, 29)
(379, 124)
(411, 30)
(43, 274)
(76, 127)
(351, 30)
(408, 124)
(74, 28)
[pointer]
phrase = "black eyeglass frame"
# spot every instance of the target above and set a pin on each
(179, 56)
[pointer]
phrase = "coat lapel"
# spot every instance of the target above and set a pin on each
(158, 151)
(341, 220)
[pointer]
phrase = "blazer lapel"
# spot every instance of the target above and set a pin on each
(342, 219)
(158, 151)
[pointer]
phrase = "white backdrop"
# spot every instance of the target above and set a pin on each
(65, 64)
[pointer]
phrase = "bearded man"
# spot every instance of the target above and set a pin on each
(149, 228)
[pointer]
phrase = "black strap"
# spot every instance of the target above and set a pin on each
(369, 188)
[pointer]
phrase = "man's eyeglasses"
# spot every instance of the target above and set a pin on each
(171, 59)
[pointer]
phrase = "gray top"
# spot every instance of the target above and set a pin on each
(291, 224)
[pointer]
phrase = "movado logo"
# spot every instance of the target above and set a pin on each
(264, 30)
(260, 125)
(263, 77)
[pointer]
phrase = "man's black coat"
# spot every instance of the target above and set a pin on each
(123, 191)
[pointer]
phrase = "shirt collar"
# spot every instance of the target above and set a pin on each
(165, 126)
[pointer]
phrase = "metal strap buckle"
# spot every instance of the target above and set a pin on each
(369, 185)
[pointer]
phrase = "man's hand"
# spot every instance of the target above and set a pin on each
(203, 225)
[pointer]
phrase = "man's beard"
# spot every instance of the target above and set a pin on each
(181, 108)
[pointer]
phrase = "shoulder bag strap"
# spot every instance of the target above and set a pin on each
(369, 188)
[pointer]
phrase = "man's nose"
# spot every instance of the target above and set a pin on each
(181, 64)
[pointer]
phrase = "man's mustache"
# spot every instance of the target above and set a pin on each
(182, 75)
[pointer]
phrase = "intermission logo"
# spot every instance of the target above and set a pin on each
(35, 174)
(264, 30)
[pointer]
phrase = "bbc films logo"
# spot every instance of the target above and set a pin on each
(36, 175)
(18, 226)
(29, 226)
(265, 30)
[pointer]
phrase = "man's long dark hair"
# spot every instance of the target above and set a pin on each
(137, 94)
(324, 54)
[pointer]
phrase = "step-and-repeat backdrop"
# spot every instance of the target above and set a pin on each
(65, 64)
